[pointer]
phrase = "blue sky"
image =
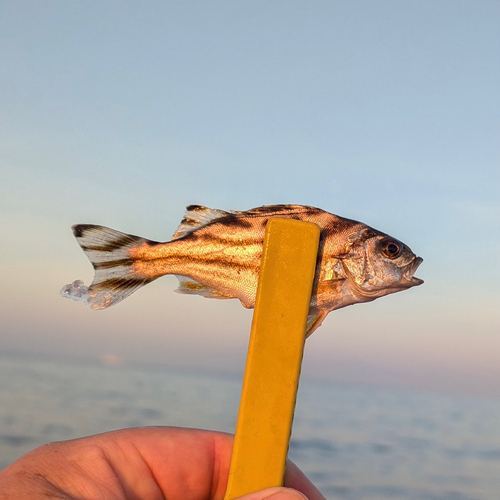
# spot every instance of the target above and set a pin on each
(123, 113)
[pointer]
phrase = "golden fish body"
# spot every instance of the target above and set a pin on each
(217, 254)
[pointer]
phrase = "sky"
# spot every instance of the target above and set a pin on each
(123, 113)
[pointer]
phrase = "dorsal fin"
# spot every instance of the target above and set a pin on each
(196, 217)
(275, 209)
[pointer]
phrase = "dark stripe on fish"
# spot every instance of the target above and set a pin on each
(222, 261)
(195, 208)
(233, 221)
(80, 229)
(222, 239)
(229, 220)
(113, 245)
(190, 222)
(112, 263)
(120, 283)
(229, 241)
(268, 209)
(226, 220)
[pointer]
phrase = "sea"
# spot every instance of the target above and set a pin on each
(354, 443)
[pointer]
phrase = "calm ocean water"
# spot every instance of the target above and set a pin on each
(354, 443)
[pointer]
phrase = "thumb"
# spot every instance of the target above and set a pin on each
(277, 493)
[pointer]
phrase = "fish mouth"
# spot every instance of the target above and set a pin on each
(410, 270)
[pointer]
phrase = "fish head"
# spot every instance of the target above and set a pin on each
(378, 265)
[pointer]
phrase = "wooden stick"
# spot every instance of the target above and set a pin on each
(274, 357)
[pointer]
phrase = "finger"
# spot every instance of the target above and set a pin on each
(295, 478)
(275, 494)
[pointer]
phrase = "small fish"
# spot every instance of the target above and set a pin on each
(217, 254)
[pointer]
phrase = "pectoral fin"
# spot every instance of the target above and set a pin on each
(314, 321)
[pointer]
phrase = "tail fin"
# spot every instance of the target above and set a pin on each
(110, 252)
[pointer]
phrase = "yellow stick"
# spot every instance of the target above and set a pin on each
(274, 357)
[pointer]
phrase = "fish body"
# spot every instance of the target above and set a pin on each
(217, 254)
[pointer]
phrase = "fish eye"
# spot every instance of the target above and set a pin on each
(391, 249)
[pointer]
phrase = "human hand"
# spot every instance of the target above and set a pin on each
(151, 463)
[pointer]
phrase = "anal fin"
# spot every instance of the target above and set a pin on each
(190, 286)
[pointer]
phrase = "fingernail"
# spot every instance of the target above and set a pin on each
(285, 494)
